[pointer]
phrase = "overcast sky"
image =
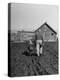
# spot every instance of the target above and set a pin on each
(32, 16)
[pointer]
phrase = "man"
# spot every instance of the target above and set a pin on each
(39, 42)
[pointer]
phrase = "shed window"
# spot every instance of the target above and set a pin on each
(52, 34)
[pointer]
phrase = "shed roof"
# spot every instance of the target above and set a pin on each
(47, 26)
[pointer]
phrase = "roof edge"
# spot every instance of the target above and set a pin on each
(48, 26)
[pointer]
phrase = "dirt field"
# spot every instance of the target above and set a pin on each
(45, 64)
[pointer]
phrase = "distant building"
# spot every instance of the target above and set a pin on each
(13, 35)
(17, 37)
(27, 35)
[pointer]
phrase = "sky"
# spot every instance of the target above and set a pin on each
(30, 17)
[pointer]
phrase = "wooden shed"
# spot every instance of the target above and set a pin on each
(47, 33)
